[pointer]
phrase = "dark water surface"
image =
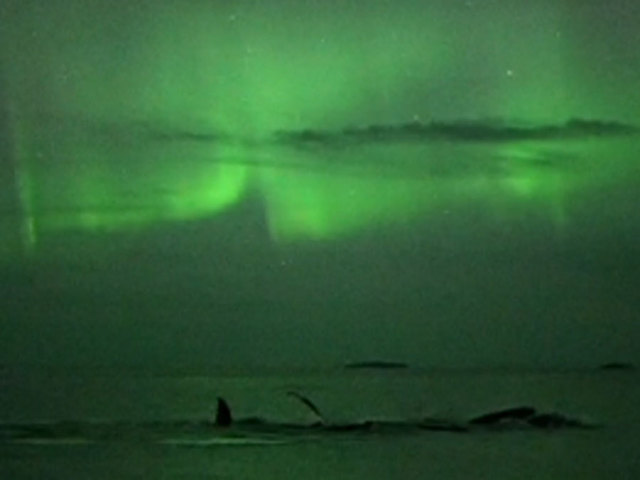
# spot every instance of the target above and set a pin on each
(113, 425)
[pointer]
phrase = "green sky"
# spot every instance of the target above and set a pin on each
(142, 146)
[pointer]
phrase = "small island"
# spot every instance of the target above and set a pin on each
(617, 366)
(376, 364)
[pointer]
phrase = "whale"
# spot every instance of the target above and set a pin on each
(308, 403)
(500, 416)
(525, 416)
(223, 413)
(513, 417)
(224, 428)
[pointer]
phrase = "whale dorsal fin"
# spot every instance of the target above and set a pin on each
(223, 413)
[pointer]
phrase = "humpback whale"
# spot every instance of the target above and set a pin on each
(515, 417)
(224, 429)
(308, 403)
(526, 416)
(493, 418)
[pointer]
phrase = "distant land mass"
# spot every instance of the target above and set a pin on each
(376, 364)
(617, 366)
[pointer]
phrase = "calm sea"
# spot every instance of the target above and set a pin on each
(111, 424)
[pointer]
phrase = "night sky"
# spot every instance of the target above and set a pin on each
(200, 183)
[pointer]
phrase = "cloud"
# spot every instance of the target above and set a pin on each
(458, 131)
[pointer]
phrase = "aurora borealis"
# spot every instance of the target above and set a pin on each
(307, 125)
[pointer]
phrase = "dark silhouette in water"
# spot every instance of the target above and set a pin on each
(376, 364)
(223, 413)
(515, 413)
(252, 430)
(554, 420)
(309, 404)
(526, 416)
(224, 419)
(518, 417)
(327, 426)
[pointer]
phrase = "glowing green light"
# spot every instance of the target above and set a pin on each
(167, 182)
(124, 118)
(19, 158)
